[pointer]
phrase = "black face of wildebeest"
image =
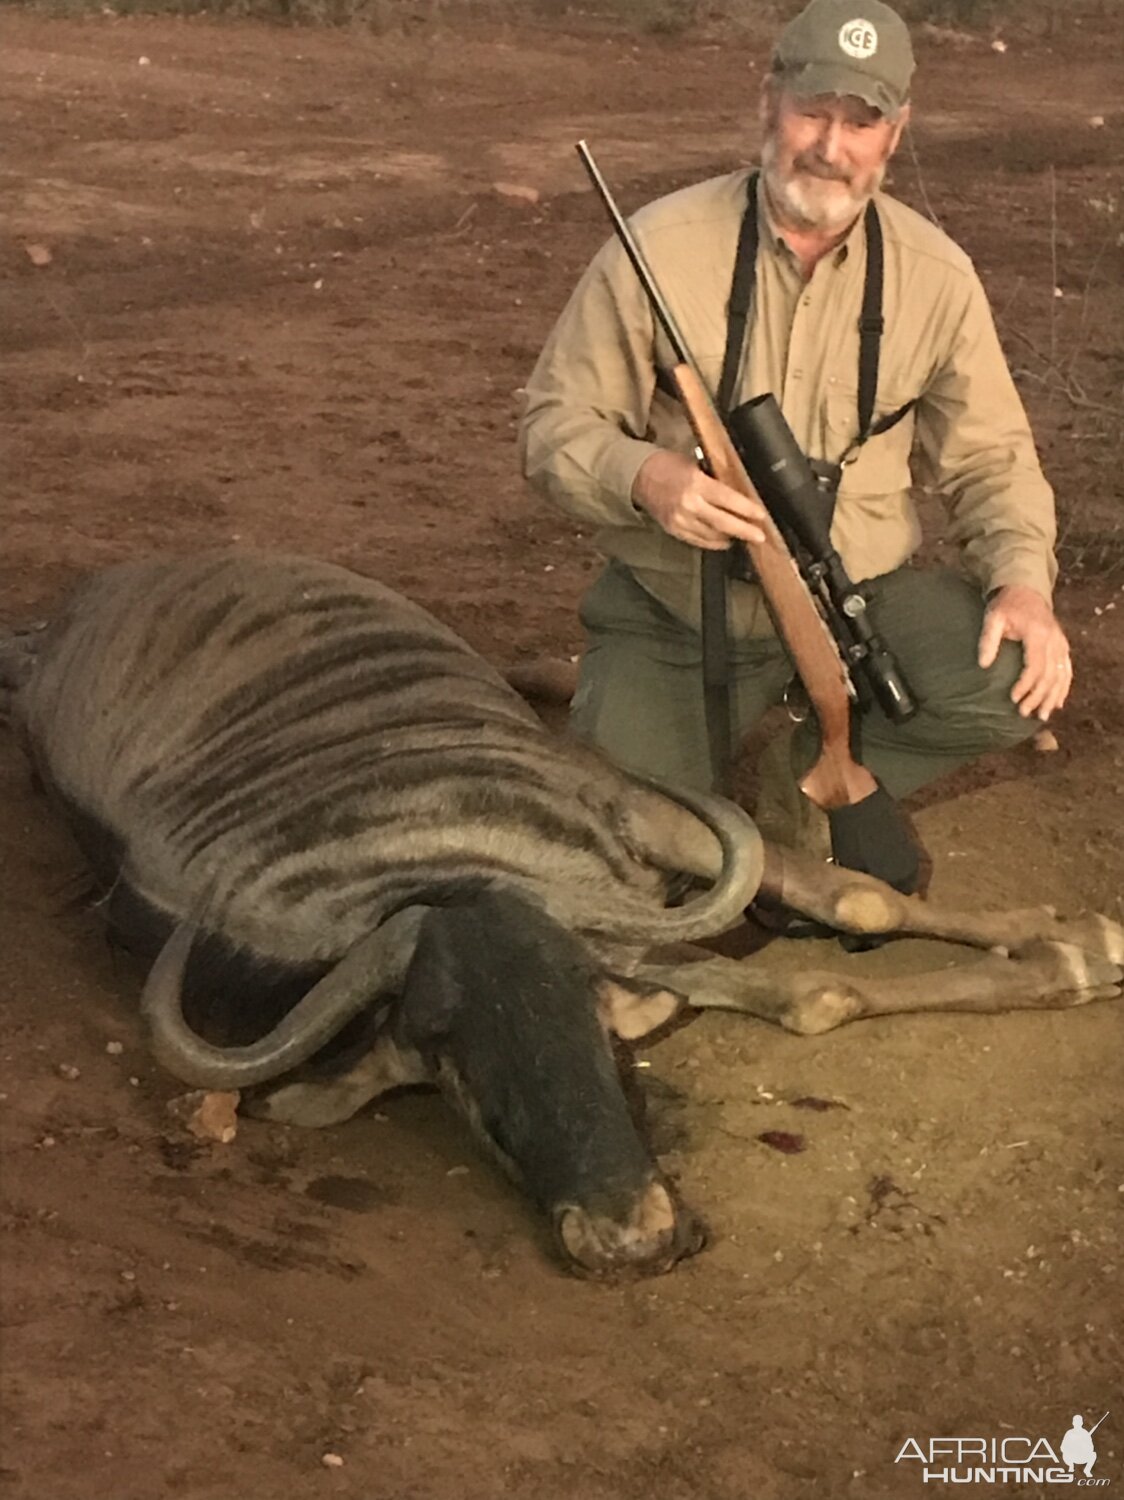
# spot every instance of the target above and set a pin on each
(510, 1013)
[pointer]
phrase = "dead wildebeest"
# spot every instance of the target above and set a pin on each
(356, 859)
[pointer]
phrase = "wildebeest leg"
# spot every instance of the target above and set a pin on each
(331, 1100)
(511, 1014)
(855, 903)
(1045, 976)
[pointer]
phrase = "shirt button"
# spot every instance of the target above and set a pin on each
(807, 302)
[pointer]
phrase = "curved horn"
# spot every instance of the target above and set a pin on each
(716, 910)
(375, 965)
(743, 865)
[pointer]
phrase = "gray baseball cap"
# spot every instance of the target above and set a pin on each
(857, 47)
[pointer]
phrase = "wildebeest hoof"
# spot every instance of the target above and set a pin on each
(657, 1233)
(1065, 968)
(1093, 934)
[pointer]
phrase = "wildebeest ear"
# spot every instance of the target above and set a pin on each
(632, 1009)
(431, 992)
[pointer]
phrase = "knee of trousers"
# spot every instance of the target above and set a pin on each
(978, 708)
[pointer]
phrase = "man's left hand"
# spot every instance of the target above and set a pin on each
(1020, 613)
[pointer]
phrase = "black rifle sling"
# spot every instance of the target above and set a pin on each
(715, 566)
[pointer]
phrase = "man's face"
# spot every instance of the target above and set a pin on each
(824, 156)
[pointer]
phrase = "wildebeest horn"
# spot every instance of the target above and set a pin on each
(717, 909)
(376, 965)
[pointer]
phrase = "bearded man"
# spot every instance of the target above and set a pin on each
(770, 274)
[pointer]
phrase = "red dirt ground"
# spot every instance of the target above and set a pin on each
(286, 304)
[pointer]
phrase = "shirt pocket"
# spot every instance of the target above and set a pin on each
(882, 465)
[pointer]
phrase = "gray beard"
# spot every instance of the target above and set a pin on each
(798, 203)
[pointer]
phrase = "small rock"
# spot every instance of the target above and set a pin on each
(68, 1071)
(39, 255)
(331, 1461)
(516, 190)
(208, 1116)
(1045, 742)
(114, 1049)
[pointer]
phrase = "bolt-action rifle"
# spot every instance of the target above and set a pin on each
(867, 829)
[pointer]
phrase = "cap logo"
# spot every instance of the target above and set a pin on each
(858, 39)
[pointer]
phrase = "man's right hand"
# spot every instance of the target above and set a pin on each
(692, 506)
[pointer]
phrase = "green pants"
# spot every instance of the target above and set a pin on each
(640, 695)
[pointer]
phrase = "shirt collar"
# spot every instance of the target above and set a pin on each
(770, 233)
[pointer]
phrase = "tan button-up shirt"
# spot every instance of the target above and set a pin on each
(593, 411)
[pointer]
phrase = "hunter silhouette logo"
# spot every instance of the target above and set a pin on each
(1008, 1459)
(1077, 1445)
(858, 39)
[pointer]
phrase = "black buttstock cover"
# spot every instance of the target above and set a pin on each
(872, 837)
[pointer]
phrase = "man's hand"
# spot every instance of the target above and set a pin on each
(1019, 613)
(692, 506)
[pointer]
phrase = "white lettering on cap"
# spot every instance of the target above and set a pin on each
(858, 39)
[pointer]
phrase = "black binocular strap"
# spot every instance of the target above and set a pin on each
(870, 320)
(741, 296)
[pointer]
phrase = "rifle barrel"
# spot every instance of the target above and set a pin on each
(636, 256)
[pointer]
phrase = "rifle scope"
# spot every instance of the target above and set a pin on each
(784, 479)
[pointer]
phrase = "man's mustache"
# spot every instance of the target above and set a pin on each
(815, 167)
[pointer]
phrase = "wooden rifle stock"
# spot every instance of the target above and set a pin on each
(836, 779)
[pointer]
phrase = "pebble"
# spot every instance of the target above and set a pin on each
(520, 190)
(115, 1049)
(332, 1461)
(209, 1115)
(68, 1071)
